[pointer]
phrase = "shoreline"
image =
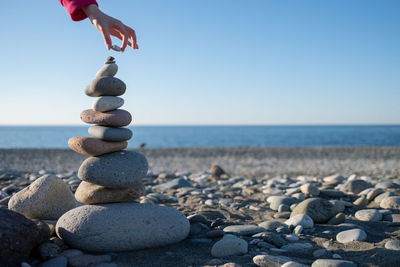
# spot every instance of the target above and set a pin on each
(240, 161)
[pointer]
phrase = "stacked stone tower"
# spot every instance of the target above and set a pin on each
(112, 180)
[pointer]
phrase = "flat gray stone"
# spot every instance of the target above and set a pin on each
(229, 245)
(122, 227)
(333, 263)
(393, 245)
(173, 184)
(369, 215)
(380, 197)
(110, 133)
(121, 169)
(106, 86)
(107, 103)
(243, 229)
(107, 70)
(276, 201)
(270, 225)
(390, 202)
(351, 235)
(355, 186)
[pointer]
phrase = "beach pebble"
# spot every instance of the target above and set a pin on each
(105, 86)
(270, 261)
(293, 247)
(298, 230)
(320, 210)
(333, 179)
(107, 70)
(69, 253)
(243, 229)
(229, 245)
(116, 170)
(93, 146)
(89, 193)
(110, 133)
(369, 215)
(19, 236)
(300, 219)
(276, 201)
(113, 118)
(46, 198)
(380, 197)
(319, 252)
(387, 184)
(360, 203)
(351, 235)
(55, 262)
(309, 189)
(390, 202)
(337, 219)
(373, 193)
(333, 263)
(148, 226)
(355, 186)
(393, 245)
(270, 225)
(107, 103)
(173, 184)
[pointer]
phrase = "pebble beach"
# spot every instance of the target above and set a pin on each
(332, 206)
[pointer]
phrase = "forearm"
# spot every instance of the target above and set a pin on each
(75, 8)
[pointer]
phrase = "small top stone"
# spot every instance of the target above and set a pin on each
(110, 60)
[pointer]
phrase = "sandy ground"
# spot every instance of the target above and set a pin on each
(246, 161)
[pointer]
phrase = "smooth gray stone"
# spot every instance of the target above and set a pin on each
(174, 184)
(270, 225)
(122, 227)
(393, 245)
(351, 235)
(106, 86)
(110, 133)
(333, 263)
(243, 229)
(107, 70)
(116, 170)
(107, 103)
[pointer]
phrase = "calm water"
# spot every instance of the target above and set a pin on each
(212, 136)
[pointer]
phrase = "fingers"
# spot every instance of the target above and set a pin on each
(132, 36)
(106, 37)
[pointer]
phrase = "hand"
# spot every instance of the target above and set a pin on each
(110, 26)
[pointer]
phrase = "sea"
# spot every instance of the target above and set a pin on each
(212, 136)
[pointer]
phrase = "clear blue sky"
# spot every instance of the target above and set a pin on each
(209, 62)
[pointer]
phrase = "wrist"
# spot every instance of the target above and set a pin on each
(91, 10)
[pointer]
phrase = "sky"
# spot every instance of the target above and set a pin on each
(225, 62)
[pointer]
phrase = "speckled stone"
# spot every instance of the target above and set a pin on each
(390, 203)
(114, 118)
(107, 70)
(109, 133)
(107, 103)
(89, 193)
(116, 170)
(122, 227)
(351, 235)
(106, 86)
(93, 146)
(369, 215)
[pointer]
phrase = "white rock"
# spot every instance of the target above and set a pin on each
(300, 219)
(229, 245)
(369, 215)
(309, 189)
(293, 264)
(122, 227)
(333, 263)
(351, 235)
(390, 202)
(47, 198)
(298, 230)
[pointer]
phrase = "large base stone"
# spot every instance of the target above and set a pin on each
(122, 227)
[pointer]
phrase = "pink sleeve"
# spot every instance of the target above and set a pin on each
(74, 8)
